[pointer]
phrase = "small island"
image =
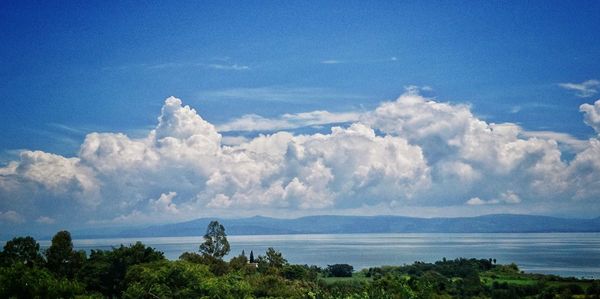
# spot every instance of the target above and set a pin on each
(138, 271)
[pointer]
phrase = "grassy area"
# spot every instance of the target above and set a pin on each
(488, 278)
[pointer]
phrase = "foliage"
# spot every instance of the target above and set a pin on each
(104, 271)
(24, 250)
(391, 286)
(238, 263)
(275, 258)
(21, 281)
(300, 272)
(216, 265)
(61, 259)
(339, 270)
(272, 262)
(138, 271)
(215, 241)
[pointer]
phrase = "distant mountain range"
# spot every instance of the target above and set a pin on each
(328, 224)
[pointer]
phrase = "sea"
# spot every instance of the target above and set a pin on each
(564, 254)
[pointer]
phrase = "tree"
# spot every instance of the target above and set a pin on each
(61, 258)
(275, 258)
(271, 263)
(215, 241)
(339, 270)
(105, 271)
(593, 291)
(239, 262)
(21, 281)
(24, 250)
(390, 286)
(251, 256)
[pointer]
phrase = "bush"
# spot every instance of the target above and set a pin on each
(20, 281)
(339, 270)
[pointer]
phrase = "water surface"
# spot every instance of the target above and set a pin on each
(566, 254)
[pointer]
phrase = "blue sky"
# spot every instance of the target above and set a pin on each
(68, 69)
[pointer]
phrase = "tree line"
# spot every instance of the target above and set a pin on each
(139, 271)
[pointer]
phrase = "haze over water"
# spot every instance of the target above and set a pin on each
(565, 254)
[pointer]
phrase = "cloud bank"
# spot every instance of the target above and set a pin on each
(411, 154)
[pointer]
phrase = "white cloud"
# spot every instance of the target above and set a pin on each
(280, 94)
(312, 171)
(165, 203)
(508, 197)
(167, 65)
(43, 172)
(233, 140)
(425, 154)
(331, 61)
(584, 89)
(219, 201)
(458, 145)
(591, 115)
(253, 122)
(380, 60)
(45, 220)
(564, 138)
(476, 201)
(11, 216)
(584, 172)
(229, 67)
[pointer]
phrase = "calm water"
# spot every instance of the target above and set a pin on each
(566, 254)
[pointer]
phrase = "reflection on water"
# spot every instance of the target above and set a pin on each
(566, 254)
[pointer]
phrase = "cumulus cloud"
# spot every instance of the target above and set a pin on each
(11, 216)
(591, 115)
(165, 203)
(568, 140)
(508, 197)
(233, 140)
(408, 153)
(476, 201)
(584, 89)
(50, 174)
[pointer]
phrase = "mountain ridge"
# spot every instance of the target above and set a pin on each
(341, 224)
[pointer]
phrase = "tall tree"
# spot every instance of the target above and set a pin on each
(215, 241)
(275, 258)
(60, 256)
(24, 250)
(251, 256)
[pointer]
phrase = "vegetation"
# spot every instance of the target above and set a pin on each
(339, 270)
(138, 271)
(215, 241)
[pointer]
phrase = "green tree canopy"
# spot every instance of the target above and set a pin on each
(215, 241)
(275, 258)
(105, 271)
(340, 270)
(24, 250)
(60, 256)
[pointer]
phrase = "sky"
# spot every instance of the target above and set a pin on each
(140, 113)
